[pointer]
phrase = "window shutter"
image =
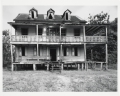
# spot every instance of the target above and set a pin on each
(20, 52)
(73, 52)
(34, 50)
(26, 48)
(67, 51)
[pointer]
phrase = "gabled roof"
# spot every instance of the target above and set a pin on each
(24, 17)
(50, 10)
(65, 12)
(33, 9)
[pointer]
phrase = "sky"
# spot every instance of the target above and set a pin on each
(10, 12)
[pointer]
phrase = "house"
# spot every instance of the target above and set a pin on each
(40, 37)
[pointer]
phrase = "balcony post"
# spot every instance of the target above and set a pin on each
(37, 32)
(84, 39)
(60, 33)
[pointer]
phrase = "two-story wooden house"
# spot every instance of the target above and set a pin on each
(40, 37)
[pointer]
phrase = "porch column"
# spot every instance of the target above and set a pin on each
(62, 66)
(85, 56)
(61, 52)
(78, 66)
(37, 53)
(12, 66)
(47, 67)
(47, 52)
(106, 50)
(34, 67)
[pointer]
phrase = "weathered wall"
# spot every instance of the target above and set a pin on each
(42, 52)
(32, 30)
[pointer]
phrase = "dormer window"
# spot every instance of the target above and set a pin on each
(50, 14)
(67, 15)
(33, 13)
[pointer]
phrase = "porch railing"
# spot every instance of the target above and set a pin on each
(95, 39)
(56, 39)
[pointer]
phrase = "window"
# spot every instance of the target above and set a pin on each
(32, 13)
(39, 31)
(65, 51)
(66, 16)
(24, 31)
(76, 32)
(75, 51)
(23, 50)
(50, 16)
(63, 32)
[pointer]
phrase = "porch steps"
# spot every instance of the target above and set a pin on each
(55, 66)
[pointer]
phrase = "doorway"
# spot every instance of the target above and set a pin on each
(53, 54)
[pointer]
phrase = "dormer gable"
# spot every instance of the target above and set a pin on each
(50, 14)
(33, 13)
(67, 15)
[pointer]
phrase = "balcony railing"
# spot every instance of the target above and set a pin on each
(95, 39)
(23, 38)
(56, 39)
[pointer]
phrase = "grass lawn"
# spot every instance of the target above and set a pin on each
(68, 81)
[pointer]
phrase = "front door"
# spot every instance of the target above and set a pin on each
(53, 54)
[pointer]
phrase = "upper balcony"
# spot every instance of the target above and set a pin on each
(57, 39)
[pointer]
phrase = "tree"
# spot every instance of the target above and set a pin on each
(6, 48)
(101, 18)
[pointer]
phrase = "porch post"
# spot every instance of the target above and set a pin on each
(12, 66)
(47, 52)
(106, 50)
(78, 66)
(85, 56)
(34, 67)
(37, 53)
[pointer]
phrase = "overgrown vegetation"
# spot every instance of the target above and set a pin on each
(67, 81)
(99, 51)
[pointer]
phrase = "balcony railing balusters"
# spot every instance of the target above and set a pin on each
(56, 39)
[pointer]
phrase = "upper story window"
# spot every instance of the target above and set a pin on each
(67, 15)
(24, 31)
(63, 32)
(33, 13)
(77, 32)
(39, 31)
(50, 14)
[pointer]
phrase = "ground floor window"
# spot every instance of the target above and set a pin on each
(23, 50)
(75, 51)
(65, 51)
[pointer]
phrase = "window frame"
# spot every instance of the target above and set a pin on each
(63, 32)
(77, 32)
